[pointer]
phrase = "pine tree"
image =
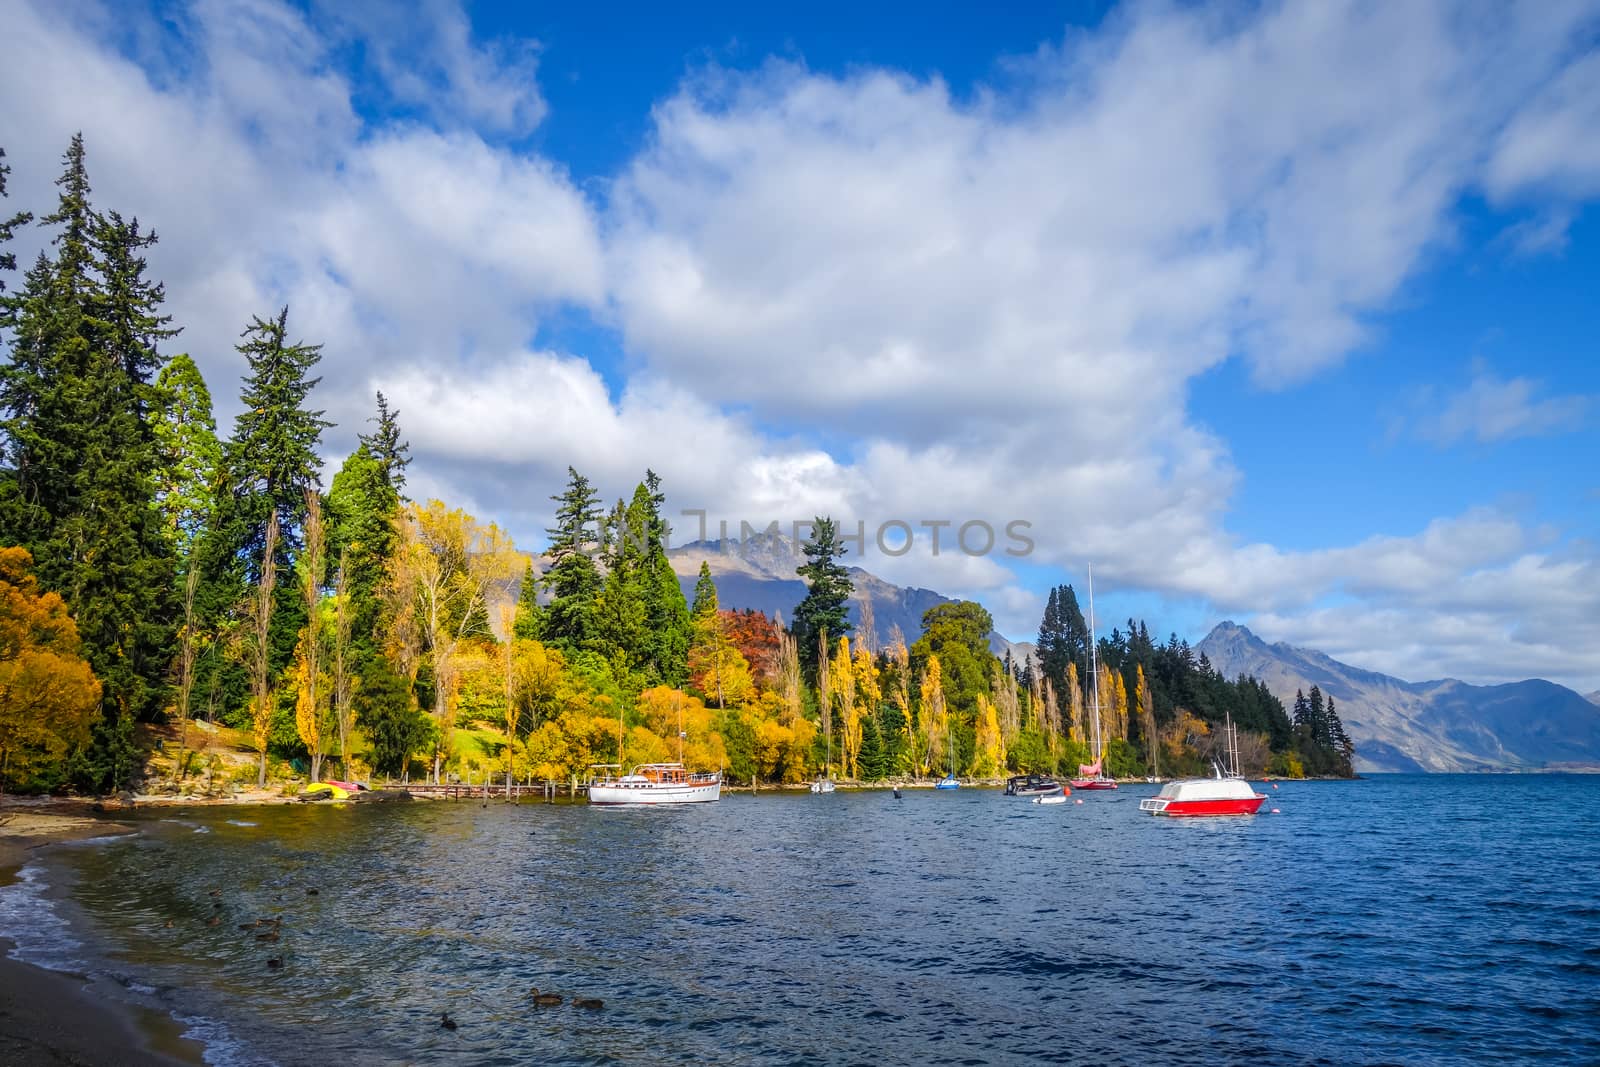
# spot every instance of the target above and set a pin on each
(705, 594)
(8, 229)
(667, 626)
(573, 580)
(191, 455)
(385, 446)
(529, 624)
(824, 609)
(620, 609)
(78, 488)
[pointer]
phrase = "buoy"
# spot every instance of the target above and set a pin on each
(1078, 801)
(1275, 811)
(1274, 785)
(446, 1022)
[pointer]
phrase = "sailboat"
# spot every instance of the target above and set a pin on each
(824, 784)
(950, 781)
(1092, 775)
(1226, 794)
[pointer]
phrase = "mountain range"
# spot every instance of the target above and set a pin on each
(1436, 726)
(1444, 725)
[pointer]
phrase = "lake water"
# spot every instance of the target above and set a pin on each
(1399, 919)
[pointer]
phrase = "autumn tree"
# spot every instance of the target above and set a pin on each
(260, 648)
(48, 693)
(191, 456)
(311, 695)
(441, 578)
(933, 718)
(842, 679)
(345, 678)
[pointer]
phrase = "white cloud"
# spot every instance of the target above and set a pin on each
(858, 295)
(1491, 409)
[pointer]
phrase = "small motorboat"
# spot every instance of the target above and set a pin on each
(1225, 794)
(332, 790)
(949, 781)
(1033, 785)
(1051, 798)
(823, 785)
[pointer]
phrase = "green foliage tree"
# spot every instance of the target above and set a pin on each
(571, 621)
(8, 229)
(190, 454)
(529, 620)
(825, 608)
(78, 486)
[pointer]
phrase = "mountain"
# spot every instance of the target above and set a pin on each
(1434, 726)
(759, 573)
(1594, 697)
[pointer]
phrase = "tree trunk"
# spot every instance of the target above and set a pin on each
(316, 767)
(261, 773)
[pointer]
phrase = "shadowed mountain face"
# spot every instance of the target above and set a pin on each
(1424, 726)
(760, 574)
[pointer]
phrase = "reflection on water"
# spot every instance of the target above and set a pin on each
(1399, 919)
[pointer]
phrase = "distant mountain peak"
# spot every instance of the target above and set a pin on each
(1442, 725)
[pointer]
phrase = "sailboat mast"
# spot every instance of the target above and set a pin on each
(1094, 673)
(680, 729)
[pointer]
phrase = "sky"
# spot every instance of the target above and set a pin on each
(1279, 313)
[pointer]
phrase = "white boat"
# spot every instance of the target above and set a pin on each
(1052, 798)
(657, 783)
(1226, 794)
(822, 785)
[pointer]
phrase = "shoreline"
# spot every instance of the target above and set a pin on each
(51, 1018)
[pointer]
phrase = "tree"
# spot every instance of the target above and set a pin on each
(190, 454)
(529, 620)
(48, 693)
(824, 609)
(393, 455)
(363, 506)
(261, 705)
(77, 486)
(667, 628)
(8, 229)
(934, 717)
(573, 580)
(705, 595)
(311, 696)
(344, 674)
(440, 581)
(842, 678)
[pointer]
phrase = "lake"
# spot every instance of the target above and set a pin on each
(1399, 919)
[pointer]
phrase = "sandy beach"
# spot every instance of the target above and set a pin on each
(51, 1018)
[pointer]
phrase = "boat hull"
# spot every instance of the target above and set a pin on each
(1094, 783)
(651, 794)
(1178, 809)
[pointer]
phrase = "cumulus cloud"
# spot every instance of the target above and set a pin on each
(861, 295)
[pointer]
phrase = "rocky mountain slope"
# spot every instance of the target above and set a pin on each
(1443, 725)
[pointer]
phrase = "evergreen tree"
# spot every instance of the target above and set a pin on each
(529, 624)
(190, 454)
(667, 628)
(78, 487)
(705, 594)
(362, 505)
(825, 607)
(573, 580)
(8, 229)
(620, 609)
(385, 446)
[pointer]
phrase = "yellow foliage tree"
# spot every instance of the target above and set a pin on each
(934, 717)
(841, 672)
(438, 585)
(1078, 728)
(48, 693)
(989, 748)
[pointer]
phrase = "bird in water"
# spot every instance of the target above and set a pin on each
(275, 963)
(591, 1003)
(445, 1022)
(214, 921)
(547, 1000)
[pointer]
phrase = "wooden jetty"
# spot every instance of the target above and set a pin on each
(548, 791)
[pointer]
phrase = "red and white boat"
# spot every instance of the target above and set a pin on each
(1226, 794)
(657, 783)
(1092, 775)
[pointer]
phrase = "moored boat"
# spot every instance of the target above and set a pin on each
(1225, 794)
(1051, 798)
(657, 783)
(1092, 775)
(822, 785)
(1033, 785)
(949, 781)
(333, 790)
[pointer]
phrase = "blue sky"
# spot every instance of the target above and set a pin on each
(1285, 314)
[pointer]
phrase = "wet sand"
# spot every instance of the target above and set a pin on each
(65, 1020)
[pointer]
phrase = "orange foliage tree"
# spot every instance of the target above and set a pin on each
(48, 694)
